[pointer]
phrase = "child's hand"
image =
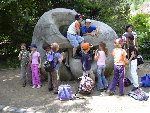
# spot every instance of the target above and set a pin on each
(63, 54)
(39, 66)
(92, 34)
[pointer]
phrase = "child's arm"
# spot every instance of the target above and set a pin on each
(96, 56)
(97, 31)
(132, 55)
(19, 56)
(30, 56)
(39, 61)
(61, 58)
(77, 26)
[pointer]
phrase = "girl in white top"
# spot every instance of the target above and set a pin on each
(100, 57)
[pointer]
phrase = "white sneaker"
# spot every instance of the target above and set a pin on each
(34, 86)
(38, 86)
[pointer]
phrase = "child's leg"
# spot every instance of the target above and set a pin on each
(37, 76)
(121, 80)
(73, 41)
(112, 86)
(55, 80)
(104, 81)
(29, 77)
(134, 73)
(23, 75)
(99, 73)
(33, 74)
(91, 75)
(50, 84)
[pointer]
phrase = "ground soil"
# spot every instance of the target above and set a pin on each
(13, 94)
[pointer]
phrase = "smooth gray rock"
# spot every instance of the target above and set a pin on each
(53, 24)
(9, 109)
(1, 107)
(21, 110)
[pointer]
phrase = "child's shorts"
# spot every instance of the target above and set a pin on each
(75, 40)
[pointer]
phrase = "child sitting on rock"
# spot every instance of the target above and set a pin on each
(73, 34)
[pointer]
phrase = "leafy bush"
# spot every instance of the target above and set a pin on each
(141, 23)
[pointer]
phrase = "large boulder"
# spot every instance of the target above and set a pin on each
(52, 27)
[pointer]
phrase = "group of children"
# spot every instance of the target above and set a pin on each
(31, 64)
(125, 52)
(121, 56)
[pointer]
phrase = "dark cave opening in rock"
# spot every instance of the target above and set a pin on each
(63, 30)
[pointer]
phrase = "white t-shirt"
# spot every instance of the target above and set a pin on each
(72, 28)
(102, 58)
(133, 33)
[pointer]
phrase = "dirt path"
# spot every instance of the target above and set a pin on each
(42, 101)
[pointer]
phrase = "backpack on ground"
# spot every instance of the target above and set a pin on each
(139, 94)
(86, 85)
(145, 80)
(65, 92)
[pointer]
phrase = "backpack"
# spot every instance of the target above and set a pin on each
(65, 92)
(49, 65)
(139, 94)
(145, 80)
(127, 82)
(86, 85)
(139, 59)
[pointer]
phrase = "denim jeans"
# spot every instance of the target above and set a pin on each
(102, 82)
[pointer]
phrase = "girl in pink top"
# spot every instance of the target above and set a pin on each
(100, 57)
(35, 65)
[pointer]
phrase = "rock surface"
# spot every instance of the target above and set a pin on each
(52, 27)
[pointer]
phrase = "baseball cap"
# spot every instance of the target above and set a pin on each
(88, 20)
(33, 46)
(86, 45)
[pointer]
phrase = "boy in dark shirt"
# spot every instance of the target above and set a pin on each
(87, 60)
(133, 64)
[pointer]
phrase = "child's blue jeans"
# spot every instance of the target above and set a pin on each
(102, 82)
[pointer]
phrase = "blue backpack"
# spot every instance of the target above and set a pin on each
(65, 92)
(145, 80)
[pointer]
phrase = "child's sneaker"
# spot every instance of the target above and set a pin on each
(34, 86)
(38, 86)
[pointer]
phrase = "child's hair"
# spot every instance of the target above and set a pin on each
(46, 46)
(54, 46)
(105, 49)
(131, 42)
(118, 42)
(126, 28)
(23, 44)
(78, 16)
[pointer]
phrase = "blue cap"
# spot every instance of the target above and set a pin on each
(33, 46)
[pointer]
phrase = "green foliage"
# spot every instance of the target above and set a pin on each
(13, 62)
(18, 17)
(141, 22)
